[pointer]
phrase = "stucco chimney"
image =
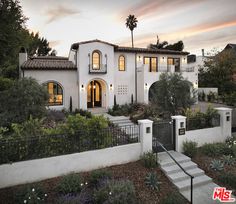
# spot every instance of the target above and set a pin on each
(22, 58)
(203, 52)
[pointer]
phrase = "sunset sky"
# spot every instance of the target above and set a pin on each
(200, 24)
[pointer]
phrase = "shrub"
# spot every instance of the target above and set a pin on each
(228, 178)
(114, 192)
(173, 198)
(149, 160)
(32, 194)
(98, 175)
(152, 181)
(83, 112)
(228, 160)
(5, 83)
(217, 165)
(55, 115)
(26, 97)
(68, 199)
(190, 148)
(70, 184)
(216, 149)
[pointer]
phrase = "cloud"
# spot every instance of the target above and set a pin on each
(59, 12)
(54, 43)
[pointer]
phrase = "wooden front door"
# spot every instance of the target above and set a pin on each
(94, 94)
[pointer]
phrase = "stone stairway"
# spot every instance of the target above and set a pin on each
(202, 185)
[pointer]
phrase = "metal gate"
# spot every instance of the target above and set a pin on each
(163, 132)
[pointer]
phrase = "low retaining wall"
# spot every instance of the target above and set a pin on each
(40, 169)
(201, 136)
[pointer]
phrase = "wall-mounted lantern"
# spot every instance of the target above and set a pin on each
(82, 87)
(146, 86)
(111, 87)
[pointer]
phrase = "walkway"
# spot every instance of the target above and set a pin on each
(203, 185)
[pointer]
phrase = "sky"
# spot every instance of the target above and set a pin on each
(201, 24)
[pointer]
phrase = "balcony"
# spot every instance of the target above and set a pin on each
(95, 70)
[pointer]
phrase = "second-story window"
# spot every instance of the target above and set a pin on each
(96, 58)
(152, 61)
(121, 63)
(174, 62)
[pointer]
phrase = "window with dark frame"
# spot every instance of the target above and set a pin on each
(55, 94)
(121, 63)
(152, 61)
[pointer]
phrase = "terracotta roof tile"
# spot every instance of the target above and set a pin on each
(48, 63)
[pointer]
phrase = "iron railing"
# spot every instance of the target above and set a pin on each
(21, 149)
(191, 177)
(202, 122)
(102, 69)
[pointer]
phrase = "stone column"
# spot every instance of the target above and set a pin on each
(145, 135)
(180, 131)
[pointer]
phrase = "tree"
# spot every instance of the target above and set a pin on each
(14, 35)
(158, 45)
(218, 71)
(23, 99)
(131, 23)
(171, 93)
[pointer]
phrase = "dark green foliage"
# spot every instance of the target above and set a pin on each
(55, 115)
(216, 149)
(230, 99)
(152, 181)
(218, 71)
(190, 148)
(5, 84)
(173, 198)
(70, 184)
(32, 194)
(116, 192)
(83, 112)
(217, 165)
(149, 160)
(99, 175)
(228, 178)
(171, 93)
(115, 104)
(24, 99)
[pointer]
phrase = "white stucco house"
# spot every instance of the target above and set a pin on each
(96, 71)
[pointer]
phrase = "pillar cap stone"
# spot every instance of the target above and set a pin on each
(144, 121)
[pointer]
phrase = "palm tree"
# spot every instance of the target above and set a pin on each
(131, 23)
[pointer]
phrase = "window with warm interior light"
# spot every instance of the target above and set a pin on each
(152, 61)
(96, 60)
(55, 94)
(121, 63)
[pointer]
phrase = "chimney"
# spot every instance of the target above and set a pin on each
(203, 53)
(22, 58)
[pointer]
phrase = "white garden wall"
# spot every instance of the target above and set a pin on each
(40, 169)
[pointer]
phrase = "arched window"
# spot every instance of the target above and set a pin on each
(96, 60)
(55, 94)
(121, 63)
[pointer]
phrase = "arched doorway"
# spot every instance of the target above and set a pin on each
(94, 94)
(152, 92)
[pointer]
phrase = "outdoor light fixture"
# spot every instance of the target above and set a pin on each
(82, 87)
(163, 59)
(111, 87)
(94, 87)
(146, 86)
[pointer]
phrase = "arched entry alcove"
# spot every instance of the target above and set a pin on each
(96, 94)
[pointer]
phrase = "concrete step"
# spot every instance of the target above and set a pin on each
(197, 181)
(118, 118)
(169, 161)
(180, 176)
(175, 168)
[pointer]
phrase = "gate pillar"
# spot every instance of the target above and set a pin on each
(179, 130)
(145, 135)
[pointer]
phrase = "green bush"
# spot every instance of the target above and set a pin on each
(32, 194)
(228, 178)
(228, 160)
(152, 181)
(173, 198)
(114, 192)
(70, 184)
(190, 148)
(5, 83)
(149, 160)
(216, 149)
(217, 165)
(98, 175)
(23, 99)
(83, 112)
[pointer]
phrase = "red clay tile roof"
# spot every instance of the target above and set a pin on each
(48, 63)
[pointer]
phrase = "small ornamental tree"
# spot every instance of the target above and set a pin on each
(171, 93)
(25, 98)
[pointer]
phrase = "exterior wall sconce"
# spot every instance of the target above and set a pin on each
(163, 59)
(146, 86)
(82, 87)
(139, 58)
(111, 87)
(184, 60)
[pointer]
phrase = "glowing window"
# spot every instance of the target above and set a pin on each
(55, 94)
(96, 60)
(121, 63)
